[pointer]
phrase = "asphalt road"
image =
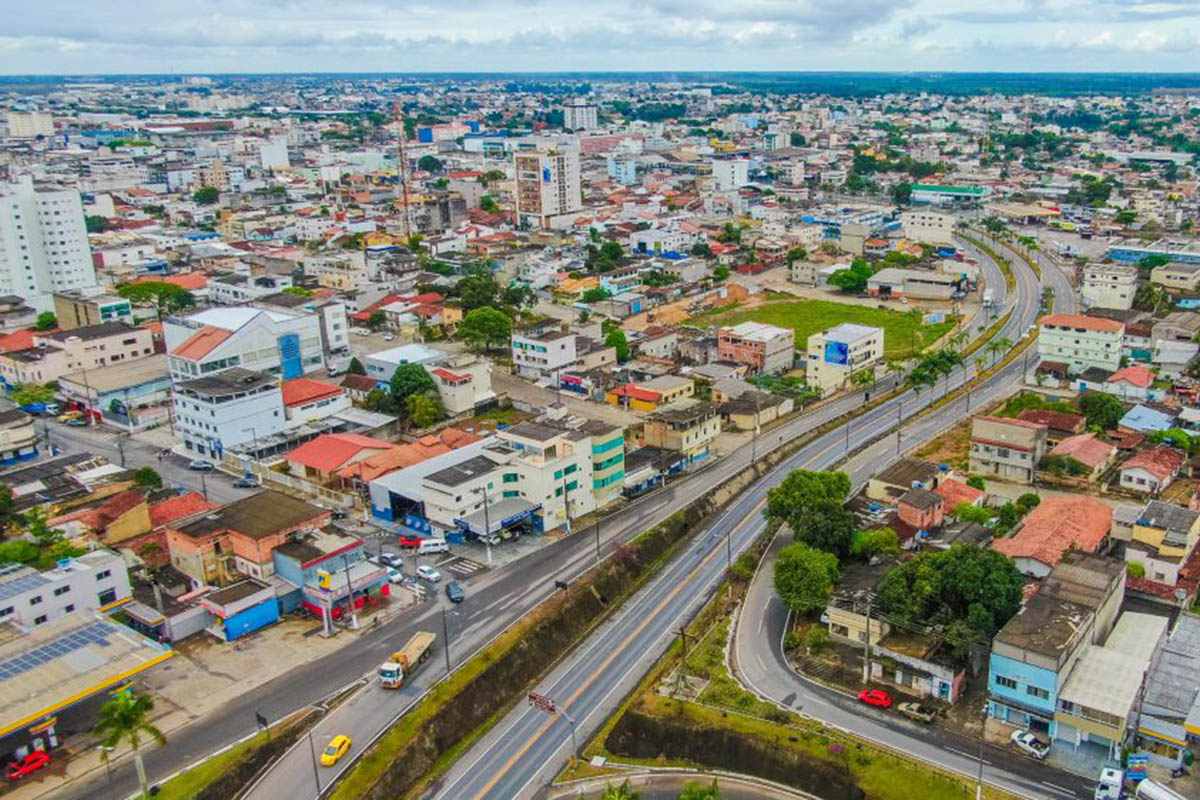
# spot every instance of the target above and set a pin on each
(527, 747)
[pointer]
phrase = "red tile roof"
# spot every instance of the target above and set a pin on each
(449, 376)
(1020, 423)
(301, 391)
(201, 343)
(956, 492)
(1056, 526)
(1161, 461)
(359, 383)
(1054, 420)
(186, 280)
(21, 340)
(635, 392)
(177, 508)
(331, 450)
(1138, 376)
(1081, 321)
(402, 456)
(1084, 448)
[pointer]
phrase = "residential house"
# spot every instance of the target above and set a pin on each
(464, 386)
(83, 308)
(955, 493)
(307, 400)
(1146, 418)
(1177, 276)
(1109, 286)
(1087, 449)
(1172, 358)
(382, 365)
(1009, 449)
(54, 355)
(545, 355)
(767, 349)
(1162, 540)
(897, 478)
(920, 510)
(1059, 424)
(1059, 524)
(1130, 383)
(1152, 470)
(1169, 716)
(689, 427)
(1081, 342)
(321, 458)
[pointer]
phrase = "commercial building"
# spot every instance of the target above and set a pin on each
(82, 308)
(380, 366)
(1131, 252)
(91, 581)
(61, 353)
(548, 193)
(835, 355)
(1081, 342)
(327, 572)
(544, 355)
(217, 412)
(217, 339)
(1009, 449)
(936, 194)
(914, 283)
(579, 115)
(1109, 286)
(18, 440)
(131, 394)
(689, 428)
(767, 349)
(928, 226)
(43, 243)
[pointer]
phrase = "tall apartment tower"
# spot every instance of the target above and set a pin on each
(43, 243)
(579, 115)
(548, 186)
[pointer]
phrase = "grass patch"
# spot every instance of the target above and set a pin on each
(902, 331)
(187, 785)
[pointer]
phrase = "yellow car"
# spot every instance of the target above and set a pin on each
(70, 415)
(336, 748)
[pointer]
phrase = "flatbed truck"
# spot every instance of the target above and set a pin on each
(395, 671)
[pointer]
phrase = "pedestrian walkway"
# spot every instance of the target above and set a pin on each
(460, 566)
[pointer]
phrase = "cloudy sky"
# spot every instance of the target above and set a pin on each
(158, 36)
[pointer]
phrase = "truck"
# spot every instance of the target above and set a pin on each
(988, 300)
(395, 671)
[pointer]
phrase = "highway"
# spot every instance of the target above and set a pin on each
(527, 748)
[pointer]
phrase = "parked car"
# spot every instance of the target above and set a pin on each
(391, 560)
(389, 337)
(77, 423)
(433, 544)
(428, 573)
(336, 748)
(201, 466)
(395, 575)
(1029, 744)
(30, 763)
(1110, 785)
(875, 697)
(246, 483)
(918, 712)
(455, 592)
(409, 540)
(69, 415)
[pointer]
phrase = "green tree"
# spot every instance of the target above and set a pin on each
(408, 380)
(1103, 411)
(45, 321)
(902, 193)
(379, 401)
(95, 223)
(701, 250)
(969, 512)
(853, 280)
(430, 164)
(19, 551)
(976, 482)
(622, 792)
(1028, 502)
(8, 510)
(207, 195)
(804, 577)
(377, 320)
(126, 719)
(875, 542)
(30, 394)
(483, 328)
(695, 791)
(148, 477)
(167, 298)
(488, 203)
(518, 297)
(424, 409)
(616, 338)
(299, 291)
(356, 367)
(793, 497)
(721, 273)
(477, 290)
(595, 295)
(1135, 569)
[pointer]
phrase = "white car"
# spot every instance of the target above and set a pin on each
(428, 573)
(395, 575)
(1029, 744)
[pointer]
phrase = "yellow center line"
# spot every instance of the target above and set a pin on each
(508, 765)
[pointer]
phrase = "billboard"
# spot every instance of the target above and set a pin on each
(837, 353)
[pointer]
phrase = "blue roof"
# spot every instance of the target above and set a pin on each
(1145, 419)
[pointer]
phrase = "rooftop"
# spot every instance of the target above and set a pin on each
(1083, 322)
(1059, 524)
(463, 472)
(259, 515)
(90, 332)
(231, 381)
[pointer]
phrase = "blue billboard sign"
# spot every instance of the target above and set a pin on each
(545, 174)
(837, 353)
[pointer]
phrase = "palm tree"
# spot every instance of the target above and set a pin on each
(123, 719)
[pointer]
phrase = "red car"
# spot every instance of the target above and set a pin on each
(408, 540)
(875, 697)
(31, 763)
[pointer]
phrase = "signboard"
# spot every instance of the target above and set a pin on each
(837, 353)
(1136, 766)
(546, 174)
(324, 581)
(542, 703)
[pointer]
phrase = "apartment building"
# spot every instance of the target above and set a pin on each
(81, 308)
(731, 174)
(579, 115)
(30, 124)
(688, 428)
(1009, 449)
(237, 288)
(43, 242)
(549, 193)
(31, 598)
(332, 317)
(55, 355)
(465, 387)
(1177, 276)
(227, 408)
(928, 226)
(835, 355)
(1081, 342)
(544, 355)
(217, 339)
(767, 349)
(1109, 286)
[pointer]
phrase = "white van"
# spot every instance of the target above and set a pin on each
(432, 545)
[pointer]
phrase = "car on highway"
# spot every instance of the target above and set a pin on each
(918, 712)
(875, 697)
(454, 592)
(395, 575)
(27, 765)
(246, 483)
(336, 748)
(201, 466)
(391, 560)
(1029, 744)
(428, 573)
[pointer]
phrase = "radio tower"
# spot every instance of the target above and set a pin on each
(408, 219)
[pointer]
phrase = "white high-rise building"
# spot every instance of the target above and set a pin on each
(43, 243)
(30, 124)
(731, 173)
(548, 187)
(579, 115)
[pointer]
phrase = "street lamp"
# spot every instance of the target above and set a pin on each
(446, 633)
(105, 751)
(487, 523)
(313, 752)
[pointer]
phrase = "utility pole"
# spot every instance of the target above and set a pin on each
(445, 637)
(754, 436)
(867, 660)
(312, 751)
(597, 527)
(681, 676)
(899, 424)
(487, 525)
(349, 594)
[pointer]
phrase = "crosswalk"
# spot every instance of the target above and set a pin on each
(461, 566)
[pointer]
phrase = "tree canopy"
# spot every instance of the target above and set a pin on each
(207, 195)
(408, 380)
(810, 503)
(45, 321)
(167, 298)
(477, 290)
(616, 338)
(804, 577)
(430, 164)
(484, 328)
(29, 394)
(854, 279)
(1102, 410)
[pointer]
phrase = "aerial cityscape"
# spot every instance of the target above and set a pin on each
(666, 428)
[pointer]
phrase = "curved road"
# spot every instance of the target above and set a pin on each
(527, 747)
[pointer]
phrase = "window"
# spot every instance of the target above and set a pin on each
(35, 600)
(4, 612)
(1006, 682)
(69, 608)
(60, 591)
(1034, 691)
(39, 620)
(103, 574)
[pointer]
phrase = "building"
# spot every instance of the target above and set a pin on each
(61, 353)
(767, 349)
(1087, 449)
(688, 428)
(1081, 342)
(914, 283)
(1181, 276)
(82, 308)
(241, 608)
(949, 195)
(1152, 470)
(307, 401)
(465, 389)
(228, 408)
(31, 598)
(18, 440)
(544, 355)
(579, 115)
(328, 573)
(131, 394)
(276, 342)
(837, 354)
(43, 243)
(549, 193)
(1009, 449)
(929, 226)
(1111, 286)
(1059, 524)
(1169, 719)
(731, 174)
(1162, 539)
(30, 124)
(382, 365)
